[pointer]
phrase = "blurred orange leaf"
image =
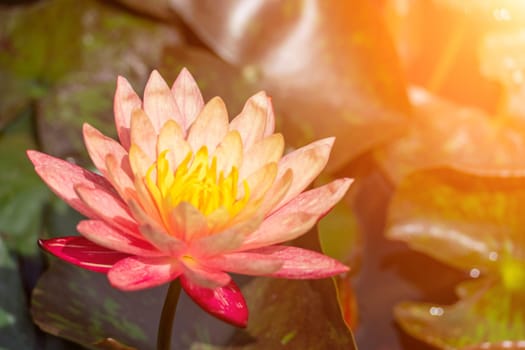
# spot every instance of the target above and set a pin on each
(329, 65)
(446, 134)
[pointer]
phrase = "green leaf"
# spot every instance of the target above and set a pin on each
(22, 194)
(16, 95)
(39, 46)
(489, 314)
(70, 66)
(339, 233)
(16, 328)
(339, 237)
(93, 310)
(81, 306)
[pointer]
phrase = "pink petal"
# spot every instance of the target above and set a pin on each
(268, 150)
(260, 181)
(187, 222)
(210, 127)
(104, 235)
(159, 103)
(278, 228)
(276, 193)
(226, 241)
(225, 303)
(188, 97)
(107, 207)
(204, 276)
(155, 233)
(100, 146)
(143, 133)
(306, 163)
(62, 177)
(162, 240)
(246, 263)
(145, 202)
(126, 100)
(298, 216)
(119, 178)
(319, 200)
(171, 138)
(298, 263)
(140, 162)
(251, 122)
(83, 253)
(229, 153)
(270, 119)
(135, 273)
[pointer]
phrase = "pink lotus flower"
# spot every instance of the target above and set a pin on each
(186, 194)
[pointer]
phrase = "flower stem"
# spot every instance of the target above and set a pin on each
(167, 316)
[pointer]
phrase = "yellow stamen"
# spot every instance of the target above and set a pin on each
(195, 181)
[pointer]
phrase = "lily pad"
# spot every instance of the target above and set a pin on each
(94, 311)
(328, 66)
(443, 133)
(475, 224)
(276, 323)
(462, 220)
(490, 314)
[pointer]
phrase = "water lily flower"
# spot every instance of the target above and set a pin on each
(187, 194)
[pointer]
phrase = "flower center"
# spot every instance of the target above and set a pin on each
(196, 181)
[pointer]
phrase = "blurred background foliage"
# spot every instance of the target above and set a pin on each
(425, 97)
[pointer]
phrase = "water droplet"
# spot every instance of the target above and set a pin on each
(493, 256)
(436, 311)
(474, 273)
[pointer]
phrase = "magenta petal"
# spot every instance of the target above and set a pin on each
(83, 253)
(226, 303)
(104, 235)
